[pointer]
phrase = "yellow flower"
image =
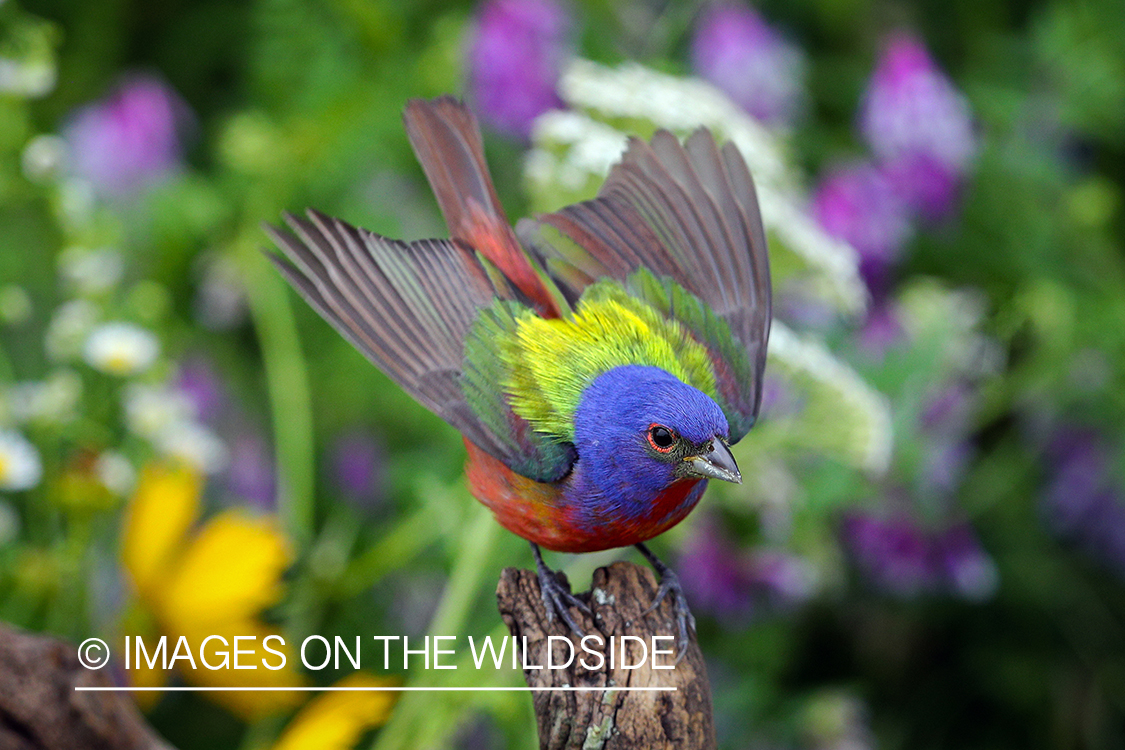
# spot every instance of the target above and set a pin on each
(336, 720)
(213, 581)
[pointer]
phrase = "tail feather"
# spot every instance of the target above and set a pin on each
(447, 142)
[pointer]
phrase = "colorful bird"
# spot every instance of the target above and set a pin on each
(599, 360)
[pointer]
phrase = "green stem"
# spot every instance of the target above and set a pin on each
(288, 387)
(394, 550)
(415, 721)
(468, 570)
(7, 372)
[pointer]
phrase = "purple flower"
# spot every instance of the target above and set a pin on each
(358, 469)
(944, 465)
(881, 331)
(778, 400)
(716, 575)
(130, 139)
(948, 411)
(944, 423)
(797, 303)
(918, 125)
(738, 52)
(250, 475)
(514, 62)
(925, 184)
(734, 584)
(784, 580)
(1105, 538)
(904, 559)
(1079, 482)
(1082, 502)
(1070, 443)
(968, 570)
(197, 380)
(893, 553)
(858, 204)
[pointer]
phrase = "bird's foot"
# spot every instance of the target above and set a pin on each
(670, 585)
(557, 598)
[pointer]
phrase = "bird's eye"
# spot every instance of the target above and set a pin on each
(661, 438)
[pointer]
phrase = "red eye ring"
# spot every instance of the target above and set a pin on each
(662, 439)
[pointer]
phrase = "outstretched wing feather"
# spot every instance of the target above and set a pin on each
(687, 213)
(409, 307)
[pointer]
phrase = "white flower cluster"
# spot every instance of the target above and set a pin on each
(46, 402)
(574, 150)
(68, 328)
(115, 347)
(53, 400)
(44, 158)
(100, 326)
(632, 91)
(32, 72)
(589, 148)
(89, 271)
(952, 317)
(31, 79)
(115, 472)
(121, 349)
(165, 417)
(843, 415)
(20, 465)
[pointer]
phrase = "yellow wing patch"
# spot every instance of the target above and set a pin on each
(551, 362)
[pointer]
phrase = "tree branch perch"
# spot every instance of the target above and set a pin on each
(41, 710)
(610, 720)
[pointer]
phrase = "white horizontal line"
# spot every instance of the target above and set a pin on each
(333, 689)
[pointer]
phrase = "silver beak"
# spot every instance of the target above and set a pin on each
(715, 463)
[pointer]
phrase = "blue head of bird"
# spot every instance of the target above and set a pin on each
(639, 429)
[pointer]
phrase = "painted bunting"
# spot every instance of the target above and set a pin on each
(599, 360)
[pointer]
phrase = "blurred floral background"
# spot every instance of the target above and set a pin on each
(929, 549)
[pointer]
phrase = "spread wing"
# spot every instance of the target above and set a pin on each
(408, 307)
(678, 225)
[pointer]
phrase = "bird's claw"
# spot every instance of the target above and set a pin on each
(670, 585)
(557, 599)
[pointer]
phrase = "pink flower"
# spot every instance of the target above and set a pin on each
(858, 204)
(918, 125)
(130, 139)
(514, 62)
(738, 52)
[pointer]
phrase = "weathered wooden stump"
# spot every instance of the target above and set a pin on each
(40, 709)
(610, 720)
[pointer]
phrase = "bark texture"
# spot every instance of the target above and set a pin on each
(610, 720)
(41, 710)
